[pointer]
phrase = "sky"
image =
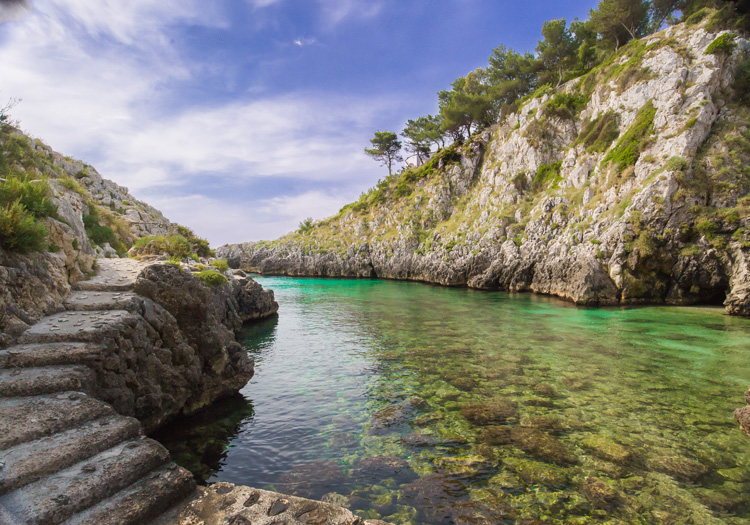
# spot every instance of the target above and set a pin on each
(241, 118)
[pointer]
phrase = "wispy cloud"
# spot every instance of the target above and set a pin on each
(301, 42)
(336, 11)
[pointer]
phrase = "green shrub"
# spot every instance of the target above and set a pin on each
(211, 278)
(199, 246)
(72, 184)
(628, 149)
(706, 226)
(220, 264)
(305, 226)
(723, 45)
(99, 229)
(566, 105)
(547, 175)
(33, 194)
(598, 134)
(741, 83)
(172, 246)
(20, 231)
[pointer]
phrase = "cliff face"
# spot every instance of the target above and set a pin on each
(628, 185)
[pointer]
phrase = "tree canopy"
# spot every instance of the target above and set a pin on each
(386, 149)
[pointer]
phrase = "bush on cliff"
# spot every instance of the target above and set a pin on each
(220, 264)
(20, 231)
(171, 245)
(211, 278)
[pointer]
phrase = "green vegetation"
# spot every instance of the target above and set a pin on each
(546, 176)
(220, 264)
(20, 231)
(627, 150)
(566, 105)
(24, 198)
(200, 247)
(171, 245)
(182, 245)
(385, 149)
(211, 278)
(723, 45)
(104, 227)
(598, 134)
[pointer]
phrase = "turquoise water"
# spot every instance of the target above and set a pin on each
(419, 404)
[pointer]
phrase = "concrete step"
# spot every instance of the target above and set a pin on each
(113, 275)
(55, 498)
(29, 462)
(74, 326)
(41, 380)
(25, 419)
(48, 354)
(87, 301)
(142, 501)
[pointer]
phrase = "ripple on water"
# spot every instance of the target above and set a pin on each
(420, 404)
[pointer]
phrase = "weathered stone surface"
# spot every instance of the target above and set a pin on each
(27, 462)
(224, 503)
(396, 414)
(742, 415)
(46, 415)
(497, 411)
(44, 380)
(59, 496)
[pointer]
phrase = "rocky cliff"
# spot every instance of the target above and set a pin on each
(627, 185)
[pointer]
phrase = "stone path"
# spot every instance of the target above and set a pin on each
(67, 457)
(64, 455)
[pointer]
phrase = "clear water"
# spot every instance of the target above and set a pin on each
(484, 408)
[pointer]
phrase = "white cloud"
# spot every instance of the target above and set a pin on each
(266, 219)
(95, 77)
(301, 42)
(262, 3)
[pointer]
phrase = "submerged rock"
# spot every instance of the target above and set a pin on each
(313, 480)
(383, 467)
(498, 411)
(679, 467)
(604, 448)
(535, 472)
(598, 492)
(397, 414)
(541, 445)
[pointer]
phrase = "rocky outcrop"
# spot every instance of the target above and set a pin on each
(550, 202)
(742, 415)
(170, 351)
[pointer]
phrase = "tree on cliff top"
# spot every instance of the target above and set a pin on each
(617, 21)
(386, 149)
(557, 50)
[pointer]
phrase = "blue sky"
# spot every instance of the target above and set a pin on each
(240, 118)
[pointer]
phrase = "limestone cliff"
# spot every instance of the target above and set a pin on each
(627, 185)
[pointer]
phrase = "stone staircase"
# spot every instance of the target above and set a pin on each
(65, 456)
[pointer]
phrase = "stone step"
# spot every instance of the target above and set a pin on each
(87, 301)
(142, 501)
(29, 462)
(53, 499)
(113, 275)
(47, 354)
(15, 382)
(25, 419)
(74, 326)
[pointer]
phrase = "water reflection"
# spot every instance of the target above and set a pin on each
(200, 442)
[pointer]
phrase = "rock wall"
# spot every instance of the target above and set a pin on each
(542, 202)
